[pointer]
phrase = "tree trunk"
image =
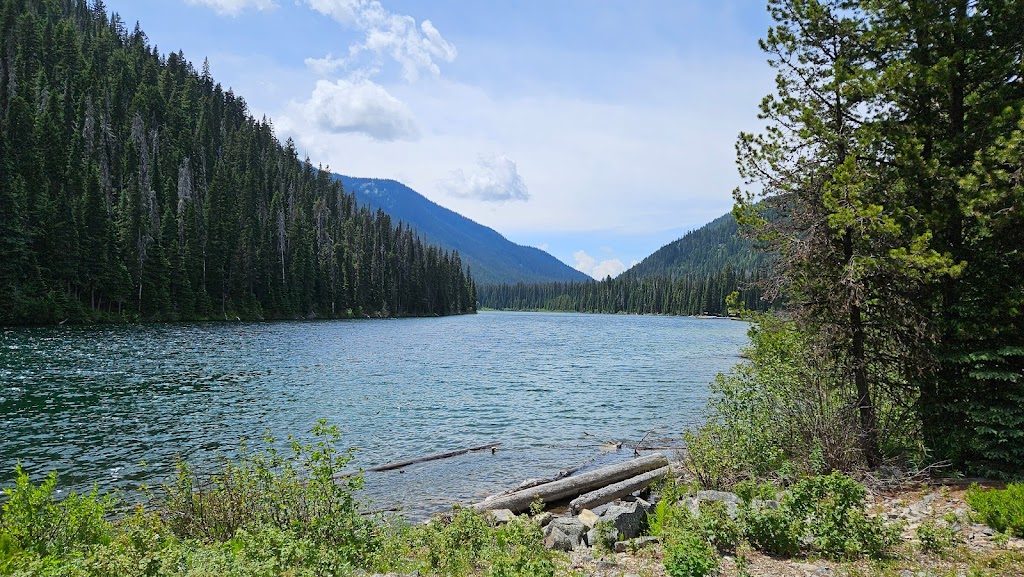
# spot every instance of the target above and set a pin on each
(573, 487)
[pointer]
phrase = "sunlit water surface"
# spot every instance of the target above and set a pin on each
(118, 405)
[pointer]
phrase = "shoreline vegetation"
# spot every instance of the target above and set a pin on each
(297, 511)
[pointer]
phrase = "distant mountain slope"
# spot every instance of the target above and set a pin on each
(491, 257)
(703, 251)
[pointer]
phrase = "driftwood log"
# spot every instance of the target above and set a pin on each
(616, 490)
(402, 464)
(572, 487)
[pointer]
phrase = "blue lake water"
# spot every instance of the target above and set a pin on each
(95, 403)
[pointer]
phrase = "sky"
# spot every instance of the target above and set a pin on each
(596, 130)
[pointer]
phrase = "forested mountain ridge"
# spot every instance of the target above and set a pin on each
(492, 257)
(690, 276)
(133, 186)
(708, 249)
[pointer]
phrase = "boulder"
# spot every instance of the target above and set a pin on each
(564, 533)
(628, 518)
(501, 516)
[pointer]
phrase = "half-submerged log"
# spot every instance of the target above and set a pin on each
(402, 464)
(616, 490)
(572, 487)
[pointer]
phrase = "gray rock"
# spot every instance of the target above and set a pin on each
(564, 533)
(761, 504)
(544, 518)
(502, 516)
(628, 519)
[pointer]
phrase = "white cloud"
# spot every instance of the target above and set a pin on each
(326, 65)
(495, 179)
(589, 265)
(415, 49)
(233, 7)
(359, 106)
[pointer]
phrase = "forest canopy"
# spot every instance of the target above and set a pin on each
(133, 186)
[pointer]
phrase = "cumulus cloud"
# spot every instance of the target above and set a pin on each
(590, 266)
(387, 34)
(360, 106)
(233, 7)
(494, 179)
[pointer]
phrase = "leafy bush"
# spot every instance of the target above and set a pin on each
(33, 520)
(1003, 510)
(830, 511)
(468, 542)
(688, 554)
(790, 406)
(748, 490)
(304, 491)
(715, 524)
(772, 531)
(937, 538)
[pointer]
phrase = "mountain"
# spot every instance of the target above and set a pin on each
(491, 257)
(706, 250)
(135, 187)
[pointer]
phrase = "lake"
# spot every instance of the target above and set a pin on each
(116, 405)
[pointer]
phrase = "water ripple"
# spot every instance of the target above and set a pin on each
(96, 402)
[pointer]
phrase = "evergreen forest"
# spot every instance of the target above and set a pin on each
(694, 294)
(888, 182)
(709, 249)
(135, 187)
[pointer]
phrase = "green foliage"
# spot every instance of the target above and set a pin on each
(606, 536)
(772, 530)
(748, 490)
(830, 511)
(668, 515)
(266, 514)
(304, 491)
(718, 527)
(468, 542)
(688, 554)
(938, 538)
(1003, 510)
(33, 520)
(778, 411)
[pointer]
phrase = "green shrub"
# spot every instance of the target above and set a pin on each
(748, 490)
(467, 543)
(519, 551)
(772, 531)
(667, 514)
(717, 526)
(32, 520)
(304, 491)
(688, 554)
(1003, 510)
(937, 538)
(830, 512)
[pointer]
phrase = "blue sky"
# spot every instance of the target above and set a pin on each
(596, 130)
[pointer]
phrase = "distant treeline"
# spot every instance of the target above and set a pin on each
(628, 294)
(134, 187)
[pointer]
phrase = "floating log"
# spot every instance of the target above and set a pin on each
(573, 487)
(616, 490)
(402, 464)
